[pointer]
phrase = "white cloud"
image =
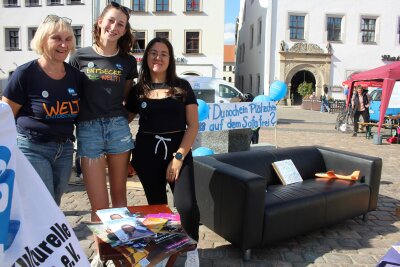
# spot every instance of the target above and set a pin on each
(229, 34)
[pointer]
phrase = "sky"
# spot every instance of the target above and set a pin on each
(231, 12)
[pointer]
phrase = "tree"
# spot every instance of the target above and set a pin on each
(305, 89)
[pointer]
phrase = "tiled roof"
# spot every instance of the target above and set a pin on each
(229, 53)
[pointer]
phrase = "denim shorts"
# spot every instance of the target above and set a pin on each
(103, 136)
(51, 160)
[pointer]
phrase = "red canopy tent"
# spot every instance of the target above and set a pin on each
(388, 74)
(363, 83)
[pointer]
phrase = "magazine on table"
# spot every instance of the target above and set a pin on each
(129, 229)
(155, 224)
(107, 215)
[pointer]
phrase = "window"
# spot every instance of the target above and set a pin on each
(224, 68)
(368, 30)
(376, 95)
(139, 5)
(296, 26)
(53, 2)
(226, 91)
(251, 36)
(12, 39)
(78, 36)
(32, 3)
(31, 33)
(224, 78)
(398, 31)
(192, 5)
(334, 27)
(243, 51)
(74, 2)
(162, 34)
(192, 43)
(11, 3)
(250, 82)
(259, 32)
(162, 5)
(140, 42)
(230, 68)
(230, 79)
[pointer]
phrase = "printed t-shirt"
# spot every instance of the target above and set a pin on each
(49, 107)
(102, 93)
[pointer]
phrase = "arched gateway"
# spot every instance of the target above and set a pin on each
(304, 62)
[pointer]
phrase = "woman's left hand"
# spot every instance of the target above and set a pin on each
(174, 167)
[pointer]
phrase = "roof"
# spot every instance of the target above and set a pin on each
(229, 53)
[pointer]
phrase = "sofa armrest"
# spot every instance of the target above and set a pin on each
(347, 162)
(231, 201)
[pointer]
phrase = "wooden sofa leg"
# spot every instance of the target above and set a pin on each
(365, 217)
(247, 255)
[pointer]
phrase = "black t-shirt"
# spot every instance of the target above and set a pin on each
(102, 93)
(161, 115)
(49, 107)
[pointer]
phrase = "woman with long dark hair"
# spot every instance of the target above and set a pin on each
(168, 126)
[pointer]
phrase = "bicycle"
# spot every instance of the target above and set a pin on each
(345, 120)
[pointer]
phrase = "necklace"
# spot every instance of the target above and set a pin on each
(102, 54)
(155, 86)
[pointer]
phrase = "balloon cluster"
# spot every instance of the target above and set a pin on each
(277, 91)
(202, 109)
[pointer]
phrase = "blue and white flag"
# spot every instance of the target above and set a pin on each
(33, 230)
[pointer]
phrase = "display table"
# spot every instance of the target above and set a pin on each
(107, 253)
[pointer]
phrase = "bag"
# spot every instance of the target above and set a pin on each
(392, 140)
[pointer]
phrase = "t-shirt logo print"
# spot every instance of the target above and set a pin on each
(45, 94)
(119, 66)
(72, 91)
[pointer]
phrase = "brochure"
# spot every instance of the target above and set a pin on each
(128, 229)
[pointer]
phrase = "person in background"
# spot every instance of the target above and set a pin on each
(102, 129)
(43, 95)
(168, 126)
(324, 100)
(360, 105)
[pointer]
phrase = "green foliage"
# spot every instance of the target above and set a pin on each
(305, 89)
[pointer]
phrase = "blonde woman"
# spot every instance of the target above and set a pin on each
(43, 95)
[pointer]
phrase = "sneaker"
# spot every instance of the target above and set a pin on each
(78, 180)
(192, 258)
(354, 135)
(96, 262)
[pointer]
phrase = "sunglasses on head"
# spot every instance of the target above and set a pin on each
(124, 9)
(55, 18)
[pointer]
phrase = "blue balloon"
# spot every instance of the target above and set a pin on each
(262, 98)
(277, 90)
(202, 151)
(202, 109)
(346, 91)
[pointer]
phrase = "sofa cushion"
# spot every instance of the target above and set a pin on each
(297, 208)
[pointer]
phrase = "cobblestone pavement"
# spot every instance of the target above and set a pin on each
(350, 243)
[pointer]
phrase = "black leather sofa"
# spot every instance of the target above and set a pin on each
(242, 199)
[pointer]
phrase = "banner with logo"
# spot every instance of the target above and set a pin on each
(239, 115)
(33, 230)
